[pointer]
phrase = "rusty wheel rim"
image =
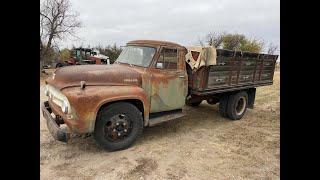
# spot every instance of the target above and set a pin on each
(118, 127)
(241, 106)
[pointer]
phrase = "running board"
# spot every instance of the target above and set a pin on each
(165, 116)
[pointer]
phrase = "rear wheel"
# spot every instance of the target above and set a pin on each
(223, 106)
(237, 105)
(118, 126)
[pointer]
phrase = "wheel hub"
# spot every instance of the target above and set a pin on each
(241, 105)
(118, 127)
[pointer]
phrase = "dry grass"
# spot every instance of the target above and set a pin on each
(277, 67)
(44, 76)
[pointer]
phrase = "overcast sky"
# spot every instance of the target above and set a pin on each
(182, 21)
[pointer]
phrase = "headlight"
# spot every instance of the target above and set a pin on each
(64, 106)
(58, 98)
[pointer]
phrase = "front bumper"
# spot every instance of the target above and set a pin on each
(54, 128)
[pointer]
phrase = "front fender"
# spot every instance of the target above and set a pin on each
(86, 103)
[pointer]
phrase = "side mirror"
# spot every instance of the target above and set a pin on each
(159, 65)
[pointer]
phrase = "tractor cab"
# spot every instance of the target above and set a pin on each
(81, 54)
(88, 56)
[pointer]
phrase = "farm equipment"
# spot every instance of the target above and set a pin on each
(82, 56)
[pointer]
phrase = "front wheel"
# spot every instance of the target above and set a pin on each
(118, 126)
(237, 105)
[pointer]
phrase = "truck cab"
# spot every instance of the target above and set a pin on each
(164, 78)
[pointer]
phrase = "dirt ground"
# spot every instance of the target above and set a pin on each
(201, 145)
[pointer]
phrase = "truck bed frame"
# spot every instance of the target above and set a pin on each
(235, 70)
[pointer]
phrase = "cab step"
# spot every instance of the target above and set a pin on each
(157, 118)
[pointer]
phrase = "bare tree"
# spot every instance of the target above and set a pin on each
(215, 39)
(56, 22)
(200, 42)
(272, 48)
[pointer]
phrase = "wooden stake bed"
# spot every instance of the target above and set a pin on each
(234, 70)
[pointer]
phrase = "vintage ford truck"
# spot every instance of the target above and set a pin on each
(151, 82)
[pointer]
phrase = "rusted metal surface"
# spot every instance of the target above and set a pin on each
(58, 133)
(95, 60)
(86, 103)
(158, 90)
(166, 90)
(95, 75)
(165, 118)
(88, 88)
(168, 87)
(155, 43)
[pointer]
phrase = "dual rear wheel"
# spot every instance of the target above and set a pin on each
(234, 106)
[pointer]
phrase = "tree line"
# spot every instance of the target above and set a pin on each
(236, 41)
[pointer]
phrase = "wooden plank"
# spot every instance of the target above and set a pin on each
(230, 88)
(234, 72)
(238, 74)
(260, 71)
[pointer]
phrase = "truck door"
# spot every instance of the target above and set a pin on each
(169, 83)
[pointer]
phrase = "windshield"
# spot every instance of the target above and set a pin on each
(137, 55)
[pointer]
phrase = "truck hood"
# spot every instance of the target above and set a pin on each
(103, 75)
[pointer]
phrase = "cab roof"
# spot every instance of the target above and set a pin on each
(155, 43)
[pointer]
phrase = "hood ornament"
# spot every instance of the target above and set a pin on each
(82, 84)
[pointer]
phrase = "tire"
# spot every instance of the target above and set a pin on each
(237, 105)
(59, 65)
(194, 104)
(123, 118)
(211, 101)
(223, 103)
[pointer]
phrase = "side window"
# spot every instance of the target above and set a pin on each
(168, 59)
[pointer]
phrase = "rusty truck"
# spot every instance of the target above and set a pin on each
(150, 83)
